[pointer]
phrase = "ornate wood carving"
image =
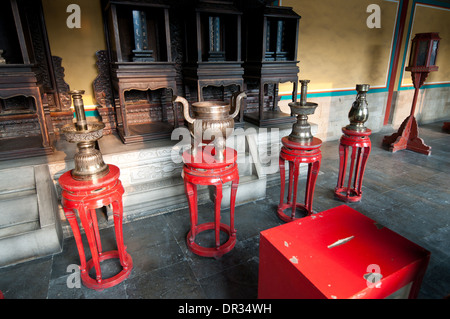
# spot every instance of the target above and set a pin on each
(19, 126)
(140, 73)
(104, 93)
(62, 87)
(24, 123)
(102, 83)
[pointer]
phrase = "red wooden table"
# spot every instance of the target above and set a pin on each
(295, 154)
(203, 169)
(84, 197)
(360, 145)
(338, 254)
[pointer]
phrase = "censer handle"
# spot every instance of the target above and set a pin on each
(237, 100)
(185, 103)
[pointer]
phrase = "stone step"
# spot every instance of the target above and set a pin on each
(19, 215)
(15, 181)
(30, 225)
(18, 190)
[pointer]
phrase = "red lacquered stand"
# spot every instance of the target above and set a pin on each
(359, 143)
(407, 136)
(203, 169)
(85, 197)
(296, 153)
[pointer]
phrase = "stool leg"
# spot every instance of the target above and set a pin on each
(295, 174)
(282, 179)
(86, 221)
(308, 187)
(96, 231)
(291, 170)
(234, 187)
(191, 194)
(217, 213)
(341, 165)
(365, 157)
(314, 172)
(350, 174)
(343, 155)
(118, 229)
(70, 215)
(357, 170)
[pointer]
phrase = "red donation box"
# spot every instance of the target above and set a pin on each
(338, 254)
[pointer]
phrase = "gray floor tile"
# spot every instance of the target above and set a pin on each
(172, 282)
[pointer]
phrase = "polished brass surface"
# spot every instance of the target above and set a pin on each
(89, 162)
(359, 113)
(301, 130)
(211, 110)
(78, 104)
(212, 119)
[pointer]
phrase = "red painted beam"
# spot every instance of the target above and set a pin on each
(398, 42)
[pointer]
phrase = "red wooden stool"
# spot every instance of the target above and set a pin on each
(202, 169)
(85, 197)
(297, 153)
(360, 144)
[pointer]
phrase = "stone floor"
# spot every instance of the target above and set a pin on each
(405, 191)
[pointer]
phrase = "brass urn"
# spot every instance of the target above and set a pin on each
(89, 162)
(211, 119)
(359, 113)
(301, 130)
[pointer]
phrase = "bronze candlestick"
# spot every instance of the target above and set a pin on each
(89, 162)
(301, 130)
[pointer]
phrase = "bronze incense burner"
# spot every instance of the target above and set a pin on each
(212, 118)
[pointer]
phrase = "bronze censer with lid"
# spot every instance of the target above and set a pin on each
(211, 119)
(89, 164)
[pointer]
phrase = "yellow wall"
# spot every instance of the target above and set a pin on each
(76, 47)
(336, 49)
